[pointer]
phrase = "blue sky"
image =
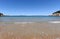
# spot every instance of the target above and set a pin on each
(29, 7)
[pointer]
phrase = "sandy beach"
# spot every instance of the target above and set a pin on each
(29, 30)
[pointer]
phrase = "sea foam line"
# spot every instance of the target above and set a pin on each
(22, 22)
(54, 21)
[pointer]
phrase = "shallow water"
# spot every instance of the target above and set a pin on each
(36, 27)
(29, 18)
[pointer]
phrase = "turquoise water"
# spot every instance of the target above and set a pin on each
(29, 18)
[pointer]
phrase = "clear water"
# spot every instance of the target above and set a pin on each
(29, 18)
(47, 30)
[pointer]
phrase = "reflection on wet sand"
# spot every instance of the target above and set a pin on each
(29, 31)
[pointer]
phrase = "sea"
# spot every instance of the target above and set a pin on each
(29, 18)
(39, 26)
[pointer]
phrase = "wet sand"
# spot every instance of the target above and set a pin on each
(32, 30)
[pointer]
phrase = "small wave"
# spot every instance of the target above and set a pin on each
(54, 21)
(22, 22)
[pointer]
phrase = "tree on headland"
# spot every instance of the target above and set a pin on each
(57, 13)
(1, 14)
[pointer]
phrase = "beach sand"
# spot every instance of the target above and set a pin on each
(31, 30)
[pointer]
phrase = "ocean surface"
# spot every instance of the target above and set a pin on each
(29, 18)
(30, 26)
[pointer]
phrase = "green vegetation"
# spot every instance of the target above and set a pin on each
(1, 14)
(57, 12)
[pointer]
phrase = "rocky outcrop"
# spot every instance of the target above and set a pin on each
(1, 14)
(57, 13)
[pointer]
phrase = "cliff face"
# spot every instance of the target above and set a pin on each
(57, 13)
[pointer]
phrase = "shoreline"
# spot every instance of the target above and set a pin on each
(30, 30)
(31, 22)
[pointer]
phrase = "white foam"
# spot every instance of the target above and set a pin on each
(54, 21)
(22, 22)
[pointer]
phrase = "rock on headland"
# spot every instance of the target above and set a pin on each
(57, 13)
(1, 14)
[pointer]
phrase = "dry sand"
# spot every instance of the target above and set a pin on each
(32, 30)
